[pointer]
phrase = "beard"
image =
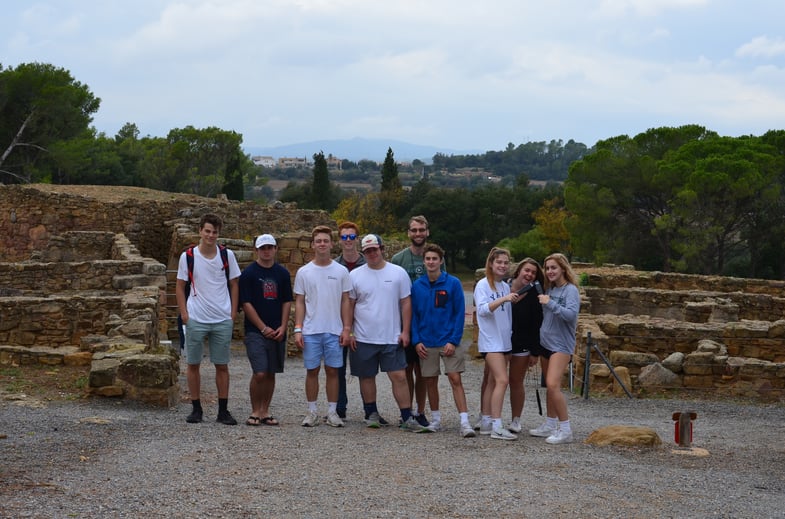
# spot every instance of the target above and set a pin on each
(419, 242)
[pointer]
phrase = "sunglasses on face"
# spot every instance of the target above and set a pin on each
(345, 237)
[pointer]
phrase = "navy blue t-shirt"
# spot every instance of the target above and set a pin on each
(267, 289)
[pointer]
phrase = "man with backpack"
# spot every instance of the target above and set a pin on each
(207, 296)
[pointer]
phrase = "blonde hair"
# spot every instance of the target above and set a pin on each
(564, 264)
(495, 253)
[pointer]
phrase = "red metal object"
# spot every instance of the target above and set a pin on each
(682, 427)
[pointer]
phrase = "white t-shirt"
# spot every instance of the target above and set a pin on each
(323, 288)
(209, 301)
(495, 327)
(377, 309)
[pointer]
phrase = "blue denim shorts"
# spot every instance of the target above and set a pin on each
(320, 346)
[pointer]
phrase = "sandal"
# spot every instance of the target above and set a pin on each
(268, 420)
(253, 420)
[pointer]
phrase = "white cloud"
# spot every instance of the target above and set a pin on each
(453, 73)
(762, 46)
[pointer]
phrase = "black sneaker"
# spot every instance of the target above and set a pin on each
(422, 420)
(226, 418)
(341, 413)
(194, 417)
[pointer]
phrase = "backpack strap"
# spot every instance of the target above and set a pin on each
(189, 260)
(225, 259)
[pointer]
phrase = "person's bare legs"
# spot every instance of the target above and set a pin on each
(458, 393)
(518, 367)
(261, 390)
(553, 379)
(400, 388)
(331, 383)
(194, 380)
(497, 364)
(312, 384)
(432, 388)
(222, 380)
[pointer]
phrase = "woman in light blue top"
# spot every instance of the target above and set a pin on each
(561, 303)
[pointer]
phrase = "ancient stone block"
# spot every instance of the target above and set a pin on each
(656, 376)
(103, 371)
(624, 375)
(624, 435)
(82, 358)
(698, 363)
(674, 362)
(150, 371)
(108, 391)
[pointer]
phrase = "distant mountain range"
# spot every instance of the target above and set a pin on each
(357, 149)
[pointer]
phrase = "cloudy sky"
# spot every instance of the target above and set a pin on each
(451, 73)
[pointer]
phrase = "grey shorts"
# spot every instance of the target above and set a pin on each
(265, 355)
(368, 359)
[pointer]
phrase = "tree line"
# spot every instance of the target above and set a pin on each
(675, 199)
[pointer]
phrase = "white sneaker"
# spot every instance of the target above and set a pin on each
(434, 426)
(503, 434)
(310, 420)
(543, 431)
(411, 425)
(373, 421)
(477, 424)
(467, 431)
(515, 426)
(486, 429)
(334, 420)
(559, 437)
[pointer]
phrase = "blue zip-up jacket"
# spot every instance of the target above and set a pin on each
(438, 311)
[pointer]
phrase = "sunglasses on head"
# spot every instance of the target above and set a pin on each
(345, 237)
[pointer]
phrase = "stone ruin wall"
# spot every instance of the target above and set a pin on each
(75, 289)
(728, 331)
(664, 331)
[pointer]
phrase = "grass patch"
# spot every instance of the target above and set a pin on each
(48, 383)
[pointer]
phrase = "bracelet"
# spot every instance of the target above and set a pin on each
(264, 330)
(297, 329)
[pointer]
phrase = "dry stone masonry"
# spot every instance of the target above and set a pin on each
(87, 276)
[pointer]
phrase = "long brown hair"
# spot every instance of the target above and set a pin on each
(539, 276)
(495, 253)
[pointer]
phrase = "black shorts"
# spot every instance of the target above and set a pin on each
(411, 355)
(536, 350)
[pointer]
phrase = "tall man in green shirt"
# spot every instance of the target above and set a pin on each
(411, 259)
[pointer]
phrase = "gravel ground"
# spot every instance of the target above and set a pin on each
(104, 458)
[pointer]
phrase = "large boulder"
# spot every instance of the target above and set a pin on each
(624, 435)
(656, 376)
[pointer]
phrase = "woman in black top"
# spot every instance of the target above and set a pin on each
(526, 321)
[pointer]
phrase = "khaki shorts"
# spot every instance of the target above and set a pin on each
(429, 367)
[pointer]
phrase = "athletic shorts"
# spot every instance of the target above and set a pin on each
(265, 355)
(455, 363)
(368, 359)
(320, 346)
(219, 340)
(537, 350)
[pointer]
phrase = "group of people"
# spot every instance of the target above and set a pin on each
(531, 318)
(403, 317)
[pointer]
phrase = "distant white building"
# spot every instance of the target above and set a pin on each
(264, 161)
(293, 162)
